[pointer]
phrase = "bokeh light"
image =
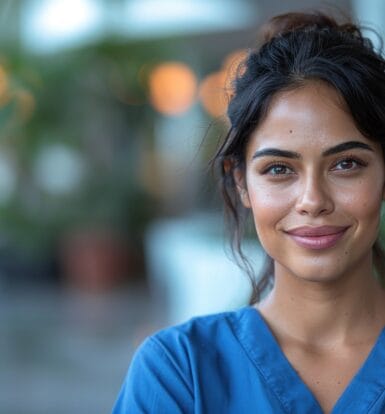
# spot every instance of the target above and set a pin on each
(173, 87)
(232, 66)
(216, 88)
(58, 169)
(212, 93)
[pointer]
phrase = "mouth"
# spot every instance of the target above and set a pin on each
(317, 238)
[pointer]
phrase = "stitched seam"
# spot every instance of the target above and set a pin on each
(249, 354)
(375, 401)
(167, 356)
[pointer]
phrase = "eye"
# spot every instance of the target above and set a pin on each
(277, 169)
(350, 163)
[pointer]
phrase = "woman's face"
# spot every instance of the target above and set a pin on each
(314, 184)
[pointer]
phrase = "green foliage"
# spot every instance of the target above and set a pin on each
(93, 101)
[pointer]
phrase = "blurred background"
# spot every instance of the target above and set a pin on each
(110, 224)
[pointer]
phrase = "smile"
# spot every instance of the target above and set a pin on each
(317, 238)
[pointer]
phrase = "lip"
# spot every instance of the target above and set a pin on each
(317, 238)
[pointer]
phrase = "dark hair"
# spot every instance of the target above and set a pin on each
(297, 48)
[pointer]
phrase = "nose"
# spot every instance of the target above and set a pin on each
(314, 197)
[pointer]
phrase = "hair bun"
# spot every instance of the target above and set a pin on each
(289, 22)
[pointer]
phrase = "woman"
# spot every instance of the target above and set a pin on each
(304, 155)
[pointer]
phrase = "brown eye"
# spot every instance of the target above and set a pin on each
(348, 164)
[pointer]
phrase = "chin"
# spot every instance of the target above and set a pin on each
(314, 272)
(327, 278)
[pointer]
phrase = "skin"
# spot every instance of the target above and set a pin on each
(326, 308)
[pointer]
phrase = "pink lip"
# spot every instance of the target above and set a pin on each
(317, 237)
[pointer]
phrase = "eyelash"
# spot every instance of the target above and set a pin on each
(360, 164)
(274, 165)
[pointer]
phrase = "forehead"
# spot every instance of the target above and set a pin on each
(311, 115)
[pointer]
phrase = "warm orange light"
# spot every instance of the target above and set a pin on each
(172, 87)
(232, 66)
(234, 59)
(213, 94)
(216, 89)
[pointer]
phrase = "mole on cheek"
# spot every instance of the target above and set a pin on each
(291, 131)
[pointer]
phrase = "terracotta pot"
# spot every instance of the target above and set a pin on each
(94, 260)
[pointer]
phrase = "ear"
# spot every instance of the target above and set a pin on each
(240, 181)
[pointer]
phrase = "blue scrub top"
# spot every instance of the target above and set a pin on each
(231, 363)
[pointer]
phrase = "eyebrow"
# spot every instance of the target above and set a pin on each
(345, 146)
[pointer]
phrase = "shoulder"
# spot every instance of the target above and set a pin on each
(202, 330)
(198, 338)
(186, 349)
(172, 364)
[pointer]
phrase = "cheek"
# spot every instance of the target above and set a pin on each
(363, 203)
(269, 207)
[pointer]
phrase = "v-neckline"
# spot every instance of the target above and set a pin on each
(295, 396)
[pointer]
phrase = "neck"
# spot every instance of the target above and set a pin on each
(322, 313)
